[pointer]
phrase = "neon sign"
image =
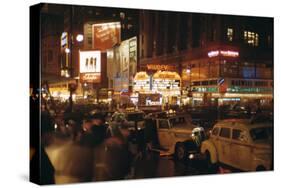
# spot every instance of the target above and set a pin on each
(158, 67)
(226, 53)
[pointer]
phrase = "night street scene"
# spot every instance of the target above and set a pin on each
(131, 94)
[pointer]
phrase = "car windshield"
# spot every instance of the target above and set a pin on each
(135, 117)
(178, 121)
(262, 133)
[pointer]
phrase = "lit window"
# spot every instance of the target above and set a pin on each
(251, 38)
(230, 34)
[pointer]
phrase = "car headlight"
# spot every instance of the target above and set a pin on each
(191, 156)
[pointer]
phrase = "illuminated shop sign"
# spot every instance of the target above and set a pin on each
(205, 89)
(248, 90)
(90, 77)
(63, 41)
(226, 53)
(158, 67)
(231, 99)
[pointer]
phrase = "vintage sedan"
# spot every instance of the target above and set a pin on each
(243, 144)
(178, 136)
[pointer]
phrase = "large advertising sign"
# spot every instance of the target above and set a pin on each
(106, 35)
(123, 62)
(90, 66)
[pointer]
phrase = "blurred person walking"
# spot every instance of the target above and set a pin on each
(92, 158)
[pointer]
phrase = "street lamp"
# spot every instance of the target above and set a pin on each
(67, 50)
(79, 38)
(67, 74)
(188, 71)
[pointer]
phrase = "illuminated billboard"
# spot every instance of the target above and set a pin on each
(122, 63)
(128, 59)
(166, 82)
(106, 35)
(141, 82)
(90, 66)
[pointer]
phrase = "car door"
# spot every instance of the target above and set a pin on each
(164, 134)
(241, 150)
(214, 135)
(224, 143)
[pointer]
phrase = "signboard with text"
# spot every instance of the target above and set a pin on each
(163, 67)
(106, 35)
(90, 66)
(90, 77)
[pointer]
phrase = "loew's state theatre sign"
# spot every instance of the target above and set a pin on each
(162, 67)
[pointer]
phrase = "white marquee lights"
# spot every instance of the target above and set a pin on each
(226, 53)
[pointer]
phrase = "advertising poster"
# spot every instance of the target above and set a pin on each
(90, 66)
(106, 35)
(122, 63)
(128, 57)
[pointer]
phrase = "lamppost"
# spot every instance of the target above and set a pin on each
(188, 71)
(69, 73)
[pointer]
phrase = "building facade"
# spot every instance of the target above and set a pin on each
(221, 59)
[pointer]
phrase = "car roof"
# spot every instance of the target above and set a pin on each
(136, 112)
(173, 117)
(242, 124)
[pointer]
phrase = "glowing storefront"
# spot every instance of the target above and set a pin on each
(162, 87)
(223, 77)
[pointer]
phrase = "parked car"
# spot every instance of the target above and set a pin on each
(175, 136)
(243, 144)
(134, 120)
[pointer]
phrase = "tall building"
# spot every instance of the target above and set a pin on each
(60, 48)
(51, 28)
(220, 58)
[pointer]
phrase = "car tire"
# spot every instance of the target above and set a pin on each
(260, 168)
(180, 152)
